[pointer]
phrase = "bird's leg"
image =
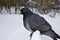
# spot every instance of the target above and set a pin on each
(54, 39)
(31, 35)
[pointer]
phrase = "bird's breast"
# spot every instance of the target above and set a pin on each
(27, 26)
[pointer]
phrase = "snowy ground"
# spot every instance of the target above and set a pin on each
(11, 27)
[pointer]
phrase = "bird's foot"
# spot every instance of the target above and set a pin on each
(31, 35)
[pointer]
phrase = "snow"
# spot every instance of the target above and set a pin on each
(36, 35)
(12, 28)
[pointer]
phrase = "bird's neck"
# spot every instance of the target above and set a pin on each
(27, 15)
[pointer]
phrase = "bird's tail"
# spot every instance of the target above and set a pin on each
(57, 36)
(52, 34)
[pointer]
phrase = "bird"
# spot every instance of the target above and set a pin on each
(33, 22)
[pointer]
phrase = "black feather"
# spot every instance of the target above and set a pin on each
(33, 22)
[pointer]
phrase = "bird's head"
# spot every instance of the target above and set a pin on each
(25, 11)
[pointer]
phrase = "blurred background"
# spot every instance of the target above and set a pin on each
(42, 6)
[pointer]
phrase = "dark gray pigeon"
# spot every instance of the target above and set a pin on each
(33, 22)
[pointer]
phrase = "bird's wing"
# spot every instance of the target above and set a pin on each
(26, 24)
(35, 21)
